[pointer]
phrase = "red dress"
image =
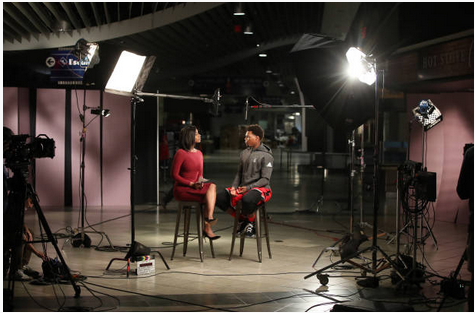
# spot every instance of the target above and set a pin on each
(188, 167)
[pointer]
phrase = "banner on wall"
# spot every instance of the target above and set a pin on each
(66, 68)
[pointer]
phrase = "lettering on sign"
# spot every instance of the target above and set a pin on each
(442, 59)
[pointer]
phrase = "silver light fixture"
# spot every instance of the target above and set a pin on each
(427, 114)
(360, 66)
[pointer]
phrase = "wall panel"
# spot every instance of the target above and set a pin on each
(445, 144)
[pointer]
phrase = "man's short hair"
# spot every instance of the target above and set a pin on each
(256, 130)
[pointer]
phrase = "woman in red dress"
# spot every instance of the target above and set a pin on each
(187, 172)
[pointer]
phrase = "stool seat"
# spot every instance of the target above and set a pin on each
(261, 215)
(185, 207)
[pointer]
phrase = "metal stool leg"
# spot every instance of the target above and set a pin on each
(199, 229)
(258, 234)
(186, 231)
(266, 228)
(177, 228)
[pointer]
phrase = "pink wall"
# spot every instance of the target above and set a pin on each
(50, 120)
(10, 108)
(50, 110)
(445, 144)
(116, 144)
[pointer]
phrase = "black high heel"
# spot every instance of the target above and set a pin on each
(210, 238)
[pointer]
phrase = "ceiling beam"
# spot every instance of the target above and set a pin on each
(17, 28)
(118, 29)
(83, 14)
(72, 17)
(28, 12)
(20, 20)
(106, 10)
(54, 11)
(95, 10)
(41, 12)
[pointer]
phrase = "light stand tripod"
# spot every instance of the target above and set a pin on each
(84, 241)
(374, 248)
(136, 248)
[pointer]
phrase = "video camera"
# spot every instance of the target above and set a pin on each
(19, 152)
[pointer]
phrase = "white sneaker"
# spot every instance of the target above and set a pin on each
(250, 230)
(20, 276)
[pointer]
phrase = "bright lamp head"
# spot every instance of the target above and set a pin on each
(130, 73)
(360, 67)
(101, 112)
(427, 114)
(87, 52)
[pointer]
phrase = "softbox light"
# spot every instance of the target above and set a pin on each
(129, 74)
(321, 69)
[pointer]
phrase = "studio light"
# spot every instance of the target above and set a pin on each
(102, 112)
(248, 30)
(87, 52)
(427, 114)
(130, 73)
(238, 11)
(360, 66)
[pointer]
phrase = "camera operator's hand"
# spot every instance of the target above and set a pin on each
(28, 203)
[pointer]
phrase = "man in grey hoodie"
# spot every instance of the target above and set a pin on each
(251, 186)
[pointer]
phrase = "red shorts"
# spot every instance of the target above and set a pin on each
(266, 194)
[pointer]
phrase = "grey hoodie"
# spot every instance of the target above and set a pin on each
(255, 168)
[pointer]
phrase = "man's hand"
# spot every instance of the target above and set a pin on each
(233, 192)
(242, 189)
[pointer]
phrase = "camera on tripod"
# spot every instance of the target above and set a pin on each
(19, 152)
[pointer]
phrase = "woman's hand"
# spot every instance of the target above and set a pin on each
(196, 185)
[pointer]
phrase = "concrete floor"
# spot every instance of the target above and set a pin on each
(302, 223)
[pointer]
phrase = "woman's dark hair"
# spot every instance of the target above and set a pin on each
(256, 130)
(187, 137)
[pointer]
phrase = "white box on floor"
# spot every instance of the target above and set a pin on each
(145, 265)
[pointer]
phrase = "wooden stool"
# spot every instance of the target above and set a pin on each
(260, 213)
(186, 207)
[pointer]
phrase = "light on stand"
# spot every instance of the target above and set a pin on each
(128, 78)
(101, 112)
(365, 70)
(87, 52)
(130, 73)
(360, 67)
(427, 114)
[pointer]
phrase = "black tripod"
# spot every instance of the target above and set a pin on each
(19, 191)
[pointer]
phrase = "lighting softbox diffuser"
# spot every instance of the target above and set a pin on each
(321, 68)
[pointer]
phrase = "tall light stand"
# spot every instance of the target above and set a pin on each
(133, 101)
(376, 175)
(82, 174)
(374, 248)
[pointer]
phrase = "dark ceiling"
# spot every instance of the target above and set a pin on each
(202, 45)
